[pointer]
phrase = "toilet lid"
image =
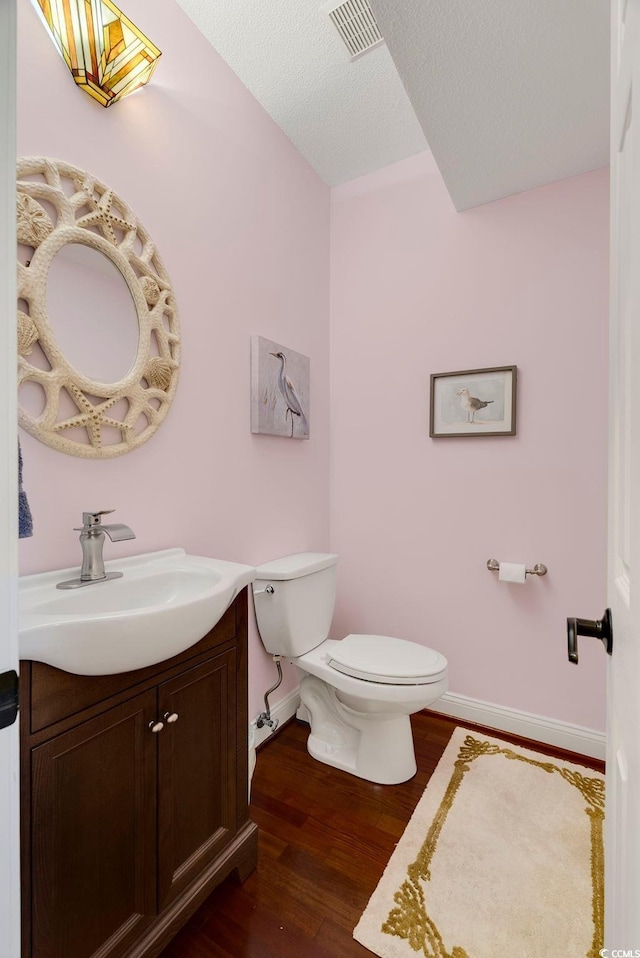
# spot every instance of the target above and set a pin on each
(382, 658)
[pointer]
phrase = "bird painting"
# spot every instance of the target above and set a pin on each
(290, 396)
(471, 404)
(280, 389)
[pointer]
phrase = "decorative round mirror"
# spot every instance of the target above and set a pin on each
(98, 329)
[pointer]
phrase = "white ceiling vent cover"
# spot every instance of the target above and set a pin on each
(356, 24)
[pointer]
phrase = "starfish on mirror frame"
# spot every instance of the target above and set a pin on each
(91, 417)
(102, 216)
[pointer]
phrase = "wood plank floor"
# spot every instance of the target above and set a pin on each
(325, 838)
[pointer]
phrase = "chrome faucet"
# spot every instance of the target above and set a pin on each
(92, 536)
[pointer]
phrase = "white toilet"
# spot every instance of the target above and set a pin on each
(357, 693)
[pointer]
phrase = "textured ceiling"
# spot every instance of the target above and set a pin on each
(345, 118)
(509, 94)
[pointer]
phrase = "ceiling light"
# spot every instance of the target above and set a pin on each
(106, 53)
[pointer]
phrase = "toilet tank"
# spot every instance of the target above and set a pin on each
(296, 616)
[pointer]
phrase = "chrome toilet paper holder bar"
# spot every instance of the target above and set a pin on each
(539, 568)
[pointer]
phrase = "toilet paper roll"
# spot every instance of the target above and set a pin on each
(512, 572)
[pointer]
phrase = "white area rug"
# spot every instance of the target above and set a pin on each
(503, 858)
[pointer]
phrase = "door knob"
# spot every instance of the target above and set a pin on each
(156, 726)
(599, 628)
(170, 717)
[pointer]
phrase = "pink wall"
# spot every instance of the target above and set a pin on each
(242, 224)
(418, 288)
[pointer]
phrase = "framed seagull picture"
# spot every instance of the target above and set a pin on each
(279, 390)
(473, 402)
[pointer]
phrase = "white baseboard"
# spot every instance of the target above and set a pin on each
(573, 738)
(538, 728)
(282, 711)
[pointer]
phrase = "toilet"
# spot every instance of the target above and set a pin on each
(356, 693)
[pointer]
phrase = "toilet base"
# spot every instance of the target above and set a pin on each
(345, 757)
(375, 747)
(338, 756)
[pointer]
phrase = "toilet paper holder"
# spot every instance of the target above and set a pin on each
(539, 568)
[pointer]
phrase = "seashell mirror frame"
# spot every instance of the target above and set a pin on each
(89, 213)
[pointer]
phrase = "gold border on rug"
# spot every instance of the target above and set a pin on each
(410, 919)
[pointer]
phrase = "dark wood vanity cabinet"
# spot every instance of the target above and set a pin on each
(134, 797)
(196, 772)
(93, 826)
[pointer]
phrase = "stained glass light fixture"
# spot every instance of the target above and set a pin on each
(106, 53)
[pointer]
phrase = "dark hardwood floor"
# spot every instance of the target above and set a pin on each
(325, 838)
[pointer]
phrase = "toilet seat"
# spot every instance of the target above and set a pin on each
(387, 660)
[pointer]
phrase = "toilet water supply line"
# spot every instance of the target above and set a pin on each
(265, 717)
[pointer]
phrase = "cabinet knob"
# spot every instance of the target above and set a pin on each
(156, 726)
(170, 717)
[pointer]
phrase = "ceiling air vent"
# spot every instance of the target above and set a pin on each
(356, 24)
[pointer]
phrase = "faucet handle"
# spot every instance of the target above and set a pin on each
(93, 518)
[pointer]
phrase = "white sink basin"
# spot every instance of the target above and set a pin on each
(164, 603)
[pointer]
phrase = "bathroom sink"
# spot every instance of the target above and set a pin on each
(165, 602)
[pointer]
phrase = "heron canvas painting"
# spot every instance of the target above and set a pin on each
(473, 402)
(280, 379)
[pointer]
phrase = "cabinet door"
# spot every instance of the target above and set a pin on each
(94, 834)
(196, 771)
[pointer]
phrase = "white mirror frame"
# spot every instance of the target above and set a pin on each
(86, 207)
